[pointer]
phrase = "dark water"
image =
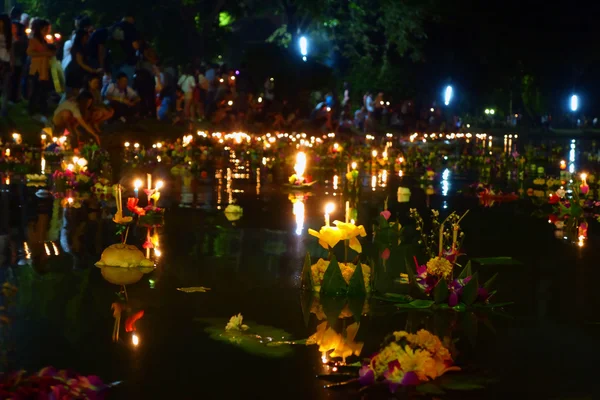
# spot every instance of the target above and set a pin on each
(544, 346)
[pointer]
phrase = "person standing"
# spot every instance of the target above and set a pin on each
(130, 45)
(78, 67)
(40, 53)
(6, 60)
(19, 53)
(187, 83)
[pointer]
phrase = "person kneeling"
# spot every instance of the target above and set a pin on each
(73, 113)
(123, 99)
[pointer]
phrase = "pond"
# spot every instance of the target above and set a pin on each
(539, 347)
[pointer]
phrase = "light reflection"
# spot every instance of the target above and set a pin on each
(335, 182)
(373, 182)
(298, 210)
(572, 157)
(445, 182)
(135, 340)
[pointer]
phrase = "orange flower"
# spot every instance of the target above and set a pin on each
(132, 203)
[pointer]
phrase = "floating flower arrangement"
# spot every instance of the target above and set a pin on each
(330, 276)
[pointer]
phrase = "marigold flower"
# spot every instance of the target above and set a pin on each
(439, 266)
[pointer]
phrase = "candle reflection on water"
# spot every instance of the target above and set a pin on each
(298, 210)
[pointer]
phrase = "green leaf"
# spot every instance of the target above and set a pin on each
(417, 304)
(356, 287)
(461, 307)
(394, 297)
(430, 388)
(466, 271)
(307, 282)
(490, 282)
(333, 281)
(462, 386)
(470, 290)
(440, 292)
(496, 261)
(494, 305)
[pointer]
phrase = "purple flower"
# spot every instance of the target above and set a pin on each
(410, 379)
(453, 299)
(366, 376)
(482, 294)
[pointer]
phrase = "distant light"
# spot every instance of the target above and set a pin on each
(328, 109)
(159, 185)
(221, 80)
(487, 110)
(303, 41)
(381, 102)
(57, 36)
(126, 144)
(230, 103)
(135, 340)
(432, 109)
(468, 125)
(232, 78)
(304, 58)
(237, 71)
(492, 111)
(374, 153)
(49, 37)
(448, 95)
(260, 99)
(387, 103)
(574, 103)
(271, 79)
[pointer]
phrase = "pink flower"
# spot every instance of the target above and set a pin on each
(386, 214)
(385, 254)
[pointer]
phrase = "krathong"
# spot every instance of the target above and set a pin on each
(408, 360)
(333, 277)
(50, 383)
(123, 264)
(441, 282)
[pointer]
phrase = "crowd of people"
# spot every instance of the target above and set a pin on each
(111, 73)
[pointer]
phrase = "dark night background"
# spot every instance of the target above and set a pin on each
(534, 53)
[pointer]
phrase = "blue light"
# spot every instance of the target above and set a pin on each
(574, 103)
(303, 46)
(448, 95)
(445, 182)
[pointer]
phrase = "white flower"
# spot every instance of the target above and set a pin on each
(235, 324)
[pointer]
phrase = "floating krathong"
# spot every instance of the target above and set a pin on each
(123, 264)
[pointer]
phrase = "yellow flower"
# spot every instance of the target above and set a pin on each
(419, 361)
(347, 347)
(351, 233)
(120, 219)
(293, 179)
(328, 236)
(439, 266)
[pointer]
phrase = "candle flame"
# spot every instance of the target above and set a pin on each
(329, 207)
(137, 184)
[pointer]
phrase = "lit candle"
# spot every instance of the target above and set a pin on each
(354, 165)
(328, 210)
(137, 185)
(149, 177)
(584, 188)
(563, 164)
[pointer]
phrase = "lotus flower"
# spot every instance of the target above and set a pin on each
(386, 214)
(385, 254)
